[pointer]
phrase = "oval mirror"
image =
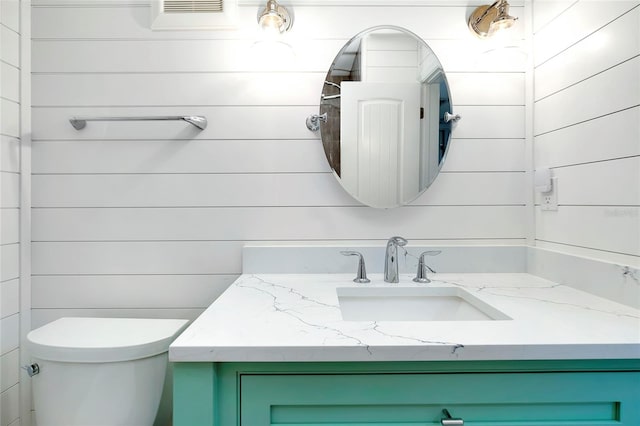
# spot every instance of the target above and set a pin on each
(385, 134)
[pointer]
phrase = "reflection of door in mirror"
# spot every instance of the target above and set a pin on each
(380, 122)
(431, 79)
(379, 142)
(430, 134)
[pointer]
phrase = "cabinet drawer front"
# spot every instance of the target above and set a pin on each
(507, 399)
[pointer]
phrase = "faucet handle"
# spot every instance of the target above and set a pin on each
(421, 275)
(362, 272)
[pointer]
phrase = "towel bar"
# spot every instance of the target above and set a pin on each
(197, 120)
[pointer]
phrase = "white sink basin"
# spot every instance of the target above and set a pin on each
(413, 304)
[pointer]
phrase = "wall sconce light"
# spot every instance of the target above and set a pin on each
(274, 19)
(487, 20)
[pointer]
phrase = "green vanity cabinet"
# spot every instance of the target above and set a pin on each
(488, 393)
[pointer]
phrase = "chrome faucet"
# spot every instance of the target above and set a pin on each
(421, 275)
(361, 277)
(391, 259)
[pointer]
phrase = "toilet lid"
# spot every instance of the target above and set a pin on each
(103, 339)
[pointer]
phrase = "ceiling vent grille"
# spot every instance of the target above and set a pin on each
(193, 14)
(192, 6)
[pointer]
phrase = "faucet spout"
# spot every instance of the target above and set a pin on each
(391, 259)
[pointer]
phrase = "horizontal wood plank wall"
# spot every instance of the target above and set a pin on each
(9, 212)
(587, 110)
(149, 219)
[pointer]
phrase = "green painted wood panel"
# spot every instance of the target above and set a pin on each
(580, 365)
(207, 394)
(193, 394)
(507, 399)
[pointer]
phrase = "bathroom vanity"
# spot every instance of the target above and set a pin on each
(318, 349)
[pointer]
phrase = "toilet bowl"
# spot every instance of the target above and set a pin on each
(100, 371)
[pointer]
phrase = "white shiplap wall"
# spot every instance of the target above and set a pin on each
(9, 212)
(587, 126)
(148, 219)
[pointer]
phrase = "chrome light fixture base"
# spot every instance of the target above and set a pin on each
(275, 18)
(486, 20)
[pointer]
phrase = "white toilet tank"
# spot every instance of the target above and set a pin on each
(100, 371)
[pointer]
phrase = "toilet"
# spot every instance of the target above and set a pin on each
(100, 371)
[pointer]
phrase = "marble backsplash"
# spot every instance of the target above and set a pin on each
(620, 283)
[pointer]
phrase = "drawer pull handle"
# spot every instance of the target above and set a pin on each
(447, 420)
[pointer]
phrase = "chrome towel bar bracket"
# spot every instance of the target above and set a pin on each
(198, 121)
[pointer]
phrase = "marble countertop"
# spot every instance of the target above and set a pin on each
(296, 317)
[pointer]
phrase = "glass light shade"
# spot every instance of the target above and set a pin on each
(487, 20)
(271, 24)
(503, 20)
(274, 19)
(502, 24)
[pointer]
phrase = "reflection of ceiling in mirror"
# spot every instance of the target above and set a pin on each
(344, 63)
(388, 55)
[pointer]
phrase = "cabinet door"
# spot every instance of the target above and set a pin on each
(504, 399)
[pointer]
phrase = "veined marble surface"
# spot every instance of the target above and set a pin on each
(296, 317)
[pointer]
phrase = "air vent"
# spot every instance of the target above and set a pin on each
(193, 14)
(192, 6)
